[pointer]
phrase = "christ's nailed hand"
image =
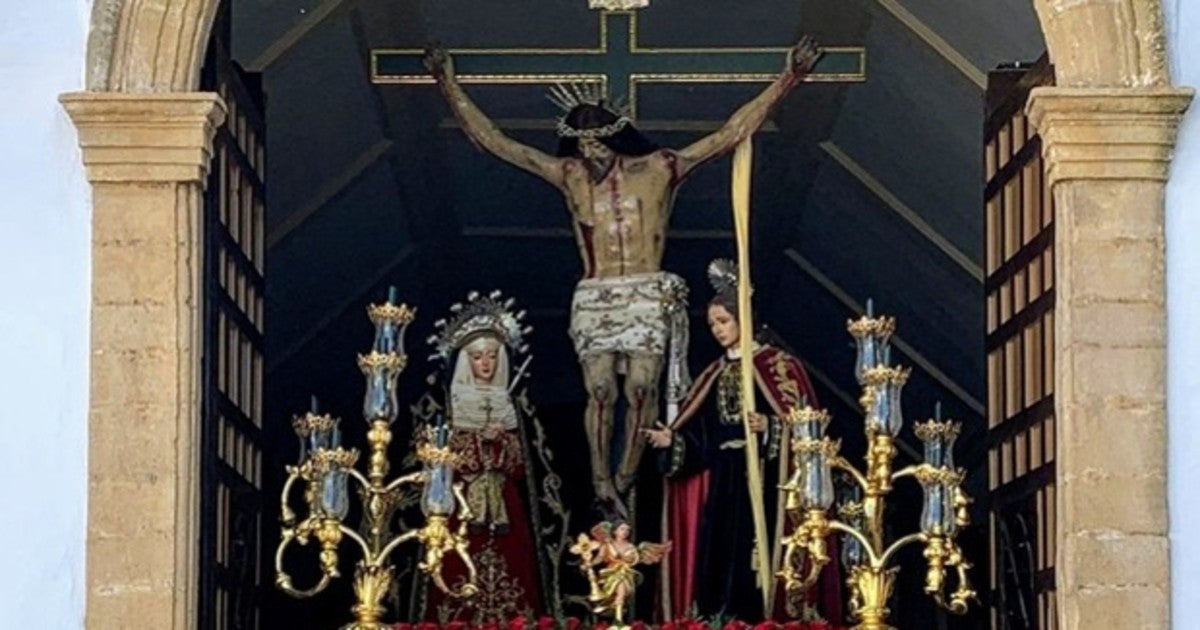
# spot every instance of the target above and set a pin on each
(438, 61)
(804, 55)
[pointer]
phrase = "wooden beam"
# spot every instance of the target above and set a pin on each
(337, 310)
(935, 41)
(293, 35)
(916, 357)
(899, 207)
(328, 191)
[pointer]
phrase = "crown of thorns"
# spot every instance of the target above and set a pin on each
(568, 96)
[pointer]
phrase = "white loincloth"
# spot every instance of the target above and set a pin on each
(641, 313)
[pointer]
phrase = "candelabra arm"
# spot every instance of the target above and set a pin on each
(284, 582)
(872, 554)
(415, 478)
(956, 605)
(896, 546)
(366, 549)
(945, 553)
(790, 582)
(439, 540)
(460, 544)
(908, 471)
(964, 592)
(396, 542)
(329, 537)
(362, 480)
(286, 514)
(468, 588)
(808, 538)
(842, 463)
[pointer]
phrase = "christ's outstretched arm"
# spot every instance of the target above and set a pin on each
(749, 117)
(482, 130)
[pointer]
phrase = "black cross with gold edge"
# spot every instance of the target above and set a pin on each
(618, 63)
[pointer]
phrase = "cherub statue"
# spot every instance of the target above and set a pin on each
(609, 547)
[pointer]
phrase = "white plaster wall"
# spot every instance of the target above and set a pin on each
(1183, 323)
(44, 271)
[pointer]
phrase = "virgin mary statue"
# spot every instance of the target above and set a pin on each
(499, 467)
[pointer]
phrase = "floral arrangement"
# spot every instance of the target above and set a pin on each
(573, 623)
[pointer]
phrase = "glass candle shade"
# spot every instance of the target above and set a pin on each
(391, 320)
(937, 506)
(949, 522)
(938, 438)
(933, 508)
(381, 372)
(808, 423)
(437, 498)
(877, 405)
(816, 477)
(320, 433)
(884, 386)
(895, 413)
(865, 356)
(872, 340)
(335, 496)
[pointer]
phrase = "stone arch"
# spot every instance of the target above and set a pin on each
(1108, 130)
(1105, 43)
(139, 46)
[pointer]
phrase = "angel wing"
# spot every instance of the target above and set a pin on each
(602, 532)
(652, 553)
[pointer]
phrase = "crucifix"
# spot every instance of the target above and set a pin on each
(627, 318)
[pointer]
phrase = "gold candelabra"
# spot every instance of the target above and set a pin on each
(326, 467)
(860, 523)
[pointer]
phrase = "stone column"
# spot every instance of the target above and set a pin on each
(1107, 152)
(147, 157)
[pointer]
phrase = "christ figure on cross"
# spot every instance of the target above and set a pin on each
(619, 188)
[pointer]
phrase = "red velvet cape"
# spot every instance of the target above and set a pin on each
(784, 383)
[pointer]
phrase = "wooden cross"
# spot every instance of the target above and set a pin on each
(618, 63)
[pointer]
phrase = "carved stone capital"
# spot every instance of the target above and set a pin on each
(145, 137)
(1107, 133)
